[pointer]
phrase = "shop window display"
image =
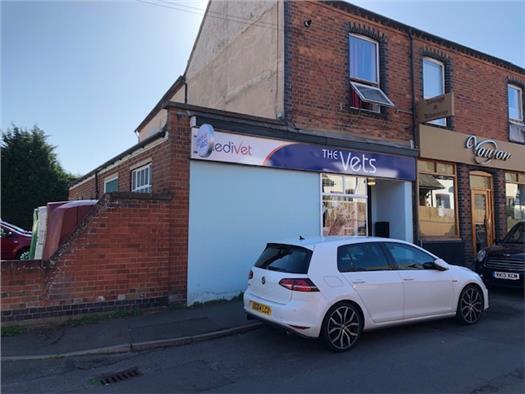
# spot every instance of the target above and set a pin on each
(344, 205)
(437, 213)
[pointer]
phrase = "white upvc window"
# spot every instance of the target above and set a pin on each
(515, 97)
(364, 74)
(141, 179)
(434, 83)
(111, 184)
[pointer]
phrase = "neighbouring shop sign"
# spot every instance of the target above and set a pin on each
(436, 143)
(435, 108)
(211, 145)
(485, 150)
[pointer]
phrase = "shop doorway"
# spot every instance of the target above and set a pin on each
(482, 212)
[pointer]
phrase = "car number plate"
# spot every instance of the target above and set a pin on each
(506, 275)
(261, 308)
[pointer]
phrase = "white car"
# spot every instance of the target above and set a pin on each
(336, 288)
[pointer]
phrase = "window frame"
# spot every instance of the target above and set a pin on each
(376, 43)
(518, 180)
(520, 103)
(375, 108)
(141, 188)
(379, 245)
(443, 85)
(109, 179)
(343, 194)
(456, 198)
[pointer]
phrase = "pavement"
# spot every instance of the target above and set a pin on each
(169, 327)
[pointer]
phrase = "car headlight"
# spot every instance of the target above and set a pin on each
(481, 255)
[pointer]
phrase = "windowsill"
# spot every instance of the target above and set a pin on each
(367, 112)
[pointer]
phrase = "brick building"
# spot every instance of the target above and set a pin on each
(299, 118)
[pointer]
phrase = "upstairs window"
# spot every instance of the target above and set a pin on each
(515, 95)
(434, 83)
(364, 74)
(141, 179)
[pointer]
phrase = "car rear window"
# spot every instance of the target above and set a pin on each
(285, 258)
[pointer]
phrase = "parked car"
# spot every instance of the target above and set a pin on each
(504, 263)
(15, 242)
(336, 288)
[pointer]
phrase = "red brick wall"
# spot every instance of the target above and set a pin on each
(180, 145)
(119, 255)
(480, 90)
(319, 88)
(320, 85)
(131, 252)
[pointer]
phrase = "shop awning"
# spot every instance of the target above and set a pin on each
(429, 182)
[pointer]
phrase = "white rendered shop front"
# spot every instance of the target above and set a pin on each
(247, 191)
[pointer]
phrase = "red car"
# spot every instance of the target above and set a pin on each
(15, 242)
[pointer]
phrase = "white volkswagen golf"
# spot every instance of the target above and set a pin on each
(336, 288)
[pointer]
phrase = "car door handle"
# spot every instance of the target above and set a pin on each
(358, 282)
(408, 279)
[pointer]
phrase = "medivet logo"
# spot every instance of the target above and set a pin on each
(205, 144)
(485, 150)
(204, 140)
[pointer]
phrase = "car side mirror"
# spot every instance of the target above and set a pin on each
(7, 234)
(441, 265)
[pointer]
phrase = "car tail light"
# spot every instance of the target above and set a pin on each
(299, 284)
(250, 275)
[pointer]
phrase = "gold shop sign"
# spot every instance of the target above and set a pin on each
(440, 144)
(435, 108)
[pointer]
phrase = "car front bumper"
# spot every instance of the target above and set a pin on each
(488, 277)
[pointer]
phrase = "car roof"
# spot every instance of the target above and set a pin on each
(310, 241)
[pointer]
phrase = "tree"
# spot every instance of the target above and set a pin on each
(31, 174)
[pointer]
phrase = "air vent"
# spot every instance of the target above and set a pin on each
(119, 376)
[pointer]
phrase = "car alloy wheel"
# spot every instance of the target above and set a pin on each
(470, 305)
(342, 327)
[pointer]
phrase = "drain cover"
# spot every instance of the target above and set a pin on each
(120, 376)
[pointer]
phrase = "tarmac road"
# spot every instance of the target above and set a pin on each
(439, 357)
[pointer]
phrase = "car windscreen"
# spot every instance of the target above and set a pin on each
(285, 258)
(516, 235)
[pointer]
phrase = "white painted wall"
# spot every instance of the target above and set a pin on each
(392, 202)
(237, 63)
(234, 211)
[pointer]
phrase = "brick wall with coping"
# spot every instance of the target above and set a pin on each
(129, 252)
(118, 257)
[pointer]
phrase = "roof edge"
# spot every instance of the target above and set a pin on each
(166, 97)
(359, 11)
(128, 151)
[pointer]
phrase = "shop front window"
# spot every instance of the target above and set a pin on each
(437, 203)
(514, 198)
(344, 205)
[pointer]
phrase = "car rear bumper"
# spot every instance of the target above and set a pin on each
(301, 317)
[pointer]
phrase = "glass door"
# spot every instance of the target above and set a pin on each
(482, 222)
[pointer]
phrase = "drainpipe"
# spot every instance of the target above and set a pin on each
(415, 139)
(96, 185)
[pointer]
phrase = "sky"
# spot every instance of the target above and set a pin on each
(88, 72)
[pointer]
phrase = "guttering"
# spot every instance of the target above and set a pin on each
(358, 11)
(128, 151)
(279, 129)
